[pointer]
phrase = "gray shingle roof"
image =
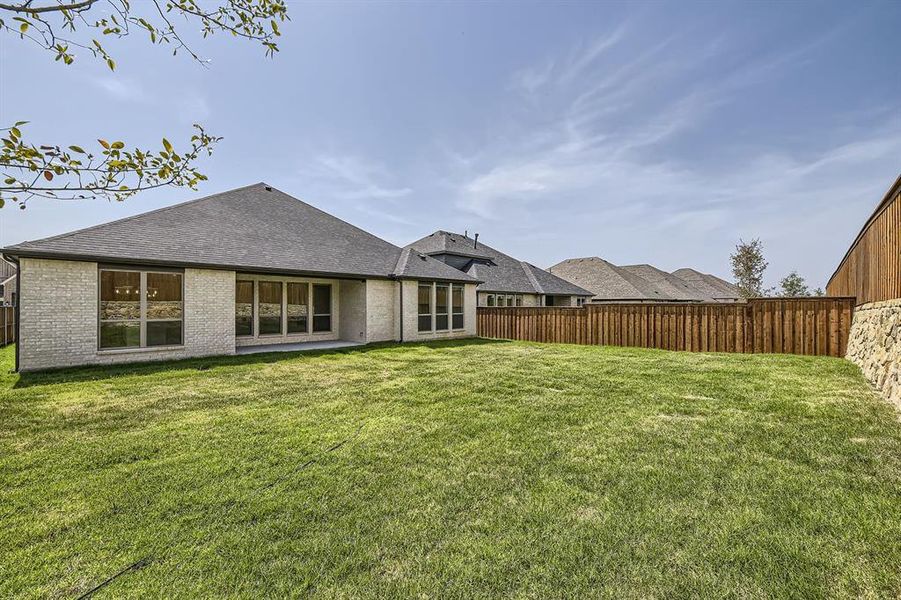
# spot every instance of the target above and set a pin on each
(668, 283)
(504, 273)
(606, 281)
(253, 228)
(710, 285)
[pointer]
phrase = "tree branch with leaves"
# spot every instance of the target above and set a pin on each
(112, 170)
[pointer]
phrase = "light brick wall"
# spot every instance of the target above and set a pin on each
(410, 304)
(382, 299)
(58, 317)
(57, 313)
(352, 298)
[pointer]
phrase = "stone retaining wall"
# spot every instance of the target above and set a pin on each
(875, 346)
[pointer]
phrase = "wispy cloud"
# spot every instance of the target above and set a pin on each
(351, 177)
(190, 105)
(121, 89)
(607, 145)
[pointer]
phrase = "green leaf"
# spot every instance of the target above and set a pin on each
(9, 180)
(111, 64)
(15, 131)
(118, 145)
(23, 27)
(2, 202)
(167, 145)
(20, 123)
(104, 143)
(76, 149)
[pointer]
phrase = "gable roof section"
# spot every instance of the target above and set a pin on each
(253, 228)
(607, 281)
(667, 283)
(711, 285)
(502, 273)
(446, 242)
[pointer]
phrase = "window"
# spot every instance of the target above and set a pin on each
(270, 307)
(120, 309)
(442, 290)
(164, 309)
(501, 300)
(298, 307)
(457, 306)
(510, 300)
(140, 309)
(519, 300)
(490, 299)
(425, 306)
(244, 308)
(322, 308)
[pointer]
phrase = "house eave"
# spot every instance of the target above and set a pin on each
(248, 269)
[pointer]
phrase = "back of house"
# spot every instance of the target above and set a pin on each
(248, 267)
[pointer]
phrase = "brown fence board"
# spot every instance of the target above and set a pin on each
(812, 326)
(7, 325)
(871, 269)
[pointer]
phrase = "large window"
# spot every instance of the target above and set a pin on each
(140, 309)
(442, 291)
(490, 300)
(446, 311)
(425, 306)
(244, 308)
(164, 309)
(322, 307)
(457, 304)
(270, 307)
(298, 307)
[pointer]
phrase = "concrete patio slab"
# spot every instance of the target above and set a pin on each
(299, 347)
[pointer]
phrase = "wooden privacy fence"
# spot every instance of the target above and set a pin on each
(871, 269)
(7, 325)
(814, 326)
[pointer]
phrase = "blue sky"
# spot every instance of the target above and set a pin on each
(656, 133)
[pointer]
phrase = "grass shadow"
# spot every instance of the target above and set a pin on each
(101, 372)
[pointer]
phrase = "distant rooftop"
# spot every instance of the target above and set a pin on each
(498, 272)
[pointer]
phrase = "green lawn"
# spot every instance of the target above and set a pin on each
(450, 470)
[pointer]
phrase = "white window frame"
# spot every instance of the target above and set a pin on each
(462, 313)
(330, 314)
(447, 306)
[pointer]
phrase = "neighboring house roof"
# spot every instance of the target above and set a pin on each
(711, 285)
(253, 228)
(668, 283)
(606, 281)
(7, 268)
(499, 272)
(445, 242)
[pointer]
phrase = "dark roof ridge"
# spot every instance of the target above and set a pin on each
(531, 276)
(401, 265)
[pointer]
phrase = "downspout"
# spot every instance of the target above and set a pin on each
(16, 306)
(400, 295)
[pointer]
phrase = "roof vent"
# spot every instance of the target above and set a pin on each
(475, 242)
(268, 188)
